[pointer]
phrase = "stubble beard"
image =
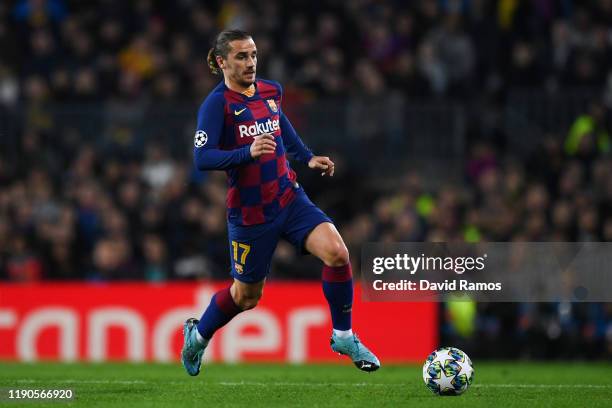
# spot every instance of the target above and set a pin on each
(245, 83)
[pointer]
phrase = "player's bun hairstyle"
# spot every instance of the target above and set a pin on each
(221, 47)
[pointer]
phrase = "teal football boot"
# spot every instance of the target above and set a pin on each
(193, 350)
(363, 358)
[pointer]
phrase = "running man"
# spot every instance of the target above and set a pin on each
(242, 129)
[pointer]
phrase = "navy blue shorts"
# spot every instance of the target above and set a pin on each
(251, 247)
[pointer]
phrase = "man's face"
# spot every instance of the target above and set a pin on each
(241, 63)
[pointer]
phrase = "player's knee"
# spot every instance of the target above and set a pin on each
(337, 255)
(246, 301)
(246, 296)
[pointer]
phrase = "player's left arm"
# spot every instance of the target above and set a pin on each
(294, 145)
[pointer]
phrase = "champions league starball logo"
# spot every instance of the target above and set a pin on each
(200, 138)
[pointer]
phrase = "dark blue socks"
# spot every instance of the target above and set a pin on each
(338, 290)
(218, 313)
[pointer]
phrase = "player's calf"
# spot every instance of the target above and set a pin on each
(197, 333)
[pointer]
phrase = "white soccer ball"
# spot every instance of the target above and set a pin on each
(448, 371)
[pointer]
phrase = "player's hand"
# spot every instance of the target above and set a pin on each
(263, 144)
(322, 163)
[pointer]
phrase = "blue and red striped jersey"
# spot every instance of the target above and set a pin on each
(258, 189)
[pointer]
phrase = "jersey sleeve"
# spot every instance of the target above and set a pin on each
(293, 143)
(206, 152)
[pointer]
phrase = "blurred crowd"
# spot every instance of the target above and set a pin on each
(74, 208)
(74, 51)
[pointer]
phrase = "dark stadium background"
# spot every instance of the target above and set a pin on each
(447, 120)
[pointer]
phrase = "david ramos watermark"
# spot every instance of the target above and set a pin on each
(498, 271)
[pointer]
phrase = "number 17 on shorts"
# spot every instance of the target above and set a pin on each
(240, 253)
(251, 249)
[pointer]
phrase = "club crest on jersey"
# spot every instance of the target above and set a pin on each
(272, 105)
(200, 138)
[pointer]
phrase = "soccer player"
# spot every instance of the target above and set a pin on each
(242, 129)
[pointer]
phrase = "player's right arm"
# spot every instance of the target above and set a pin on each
(206, 152)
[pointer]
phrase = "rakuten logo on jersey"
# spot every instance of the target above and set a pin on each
(257, 128)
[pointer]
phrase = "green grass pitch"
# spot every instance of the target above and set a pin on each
(508, 384)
